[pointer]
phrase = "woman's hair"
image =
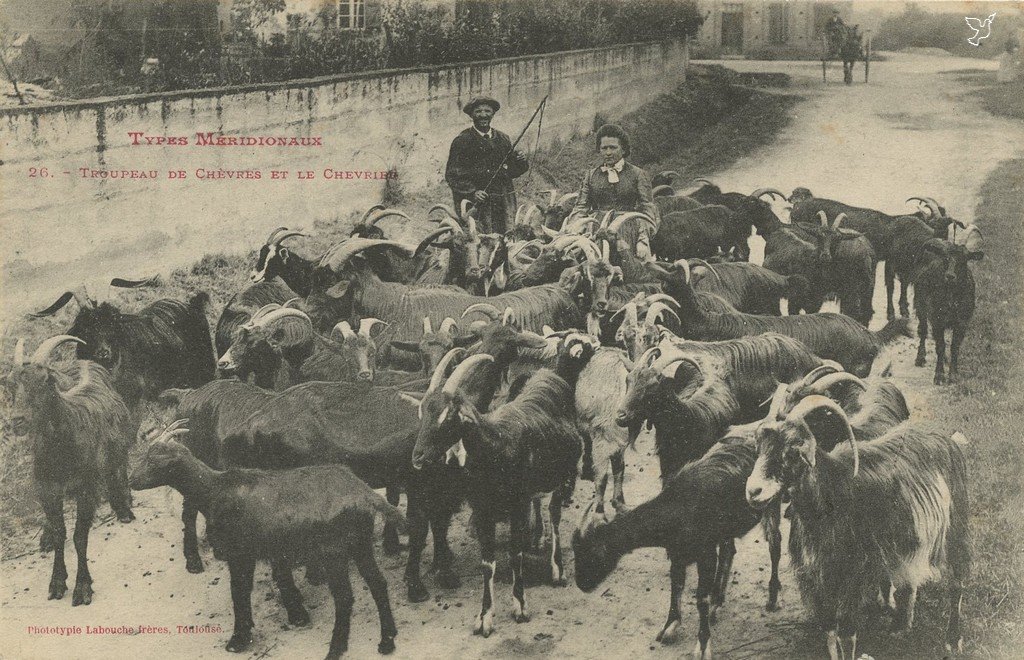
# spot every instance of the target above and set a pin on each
(613, 131)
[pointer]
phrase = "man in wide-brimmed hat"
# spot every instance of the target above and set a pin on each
(481, 166)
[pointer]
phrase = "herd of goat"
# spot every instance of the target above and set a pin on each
(491, 369)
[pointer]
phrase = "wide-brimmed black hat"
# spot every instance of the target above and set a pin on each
(480, 100)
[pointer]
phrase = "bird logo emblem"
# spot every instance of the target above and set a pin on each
(982, 29)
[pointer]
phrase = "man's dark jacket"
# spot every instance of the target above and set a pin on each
(472, 161)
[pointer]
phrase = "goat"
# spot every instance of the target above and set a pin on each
(830, 336)
(833, 260)
(165, 344)
(696, 517)
(80, 440)
(638, 336)
(213, 410)
(433, 346)
(243, 305)
(893, 510)
(700, 232)
(275, 260)
(318, 513)
(896, 239)
(692, 391)
(944, 298)
(747, 287)
(271, 348)
(361, 293)
(529, 445)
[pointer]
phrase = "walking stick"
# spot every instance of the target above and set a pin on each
(540, 107)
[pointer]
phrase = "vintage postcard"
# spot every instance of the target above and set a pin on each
(473, 328)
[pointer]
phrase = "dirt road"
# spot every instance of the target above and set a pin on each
(912, 131)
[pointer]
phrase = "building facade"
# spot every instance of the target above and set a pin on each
(765, 29)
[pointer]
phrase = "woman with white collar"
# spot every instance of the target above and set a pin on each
(616, 184)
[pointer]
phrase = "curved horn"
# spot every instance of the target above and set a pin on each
(823, 218)
(278, 314)
(669, 174)
(430, 238)
(685, 265)
(671, 365)
(386, 213)
(286, 235)
(122, 283)
(655, 311)
(471, 227)
(838, 221)
(366, 326)
(664, 190)
(428, 329)
(951, 232)
(930, 204)
(463, 370)
(444, 207)
(447, 324)
(370, 211)
(648, 357)
(64, 299)
(709, 267)
(339, 255)
(42, 354)
(606, 220)
(261, 312)
(345, 329)
(273, 235)
(487, 309)
(778, 401)
(566, 197)
(815, 402)
(701, 180)
(663, 297)
(827, 367)
(19, 353)
(464, 208)
(606, 251)
(614, 226)
(825, 384)
(508, 317)
(437, 377)
(552, 197)
(774, 192)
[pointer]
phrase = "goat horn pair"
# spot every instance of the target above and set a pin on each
(930, 204)
(669, 365)
(655, 311)
(366, 326)
(339, 255)
(630, 310)
(438, 376)
(685, 265)
(774, 192)
(815, 402)
(278, 314)
(281, 234)
(463, 370)
(42, 354)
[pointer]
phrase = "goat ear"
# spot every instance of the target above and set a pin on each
(284, 253)
(456, 454)
(338, 290)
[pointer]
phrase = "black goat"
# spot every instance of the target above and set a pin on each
(529, 445)
(748, 287)
(213, 410)
(275, 260)
(944, 298)
(700, 232)
(696, 517)
(890, 511)
(80, 442)
(320, 513)
(692, 391)
(830, 336)
(165, 344)
(243, 305)
(896, 239)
